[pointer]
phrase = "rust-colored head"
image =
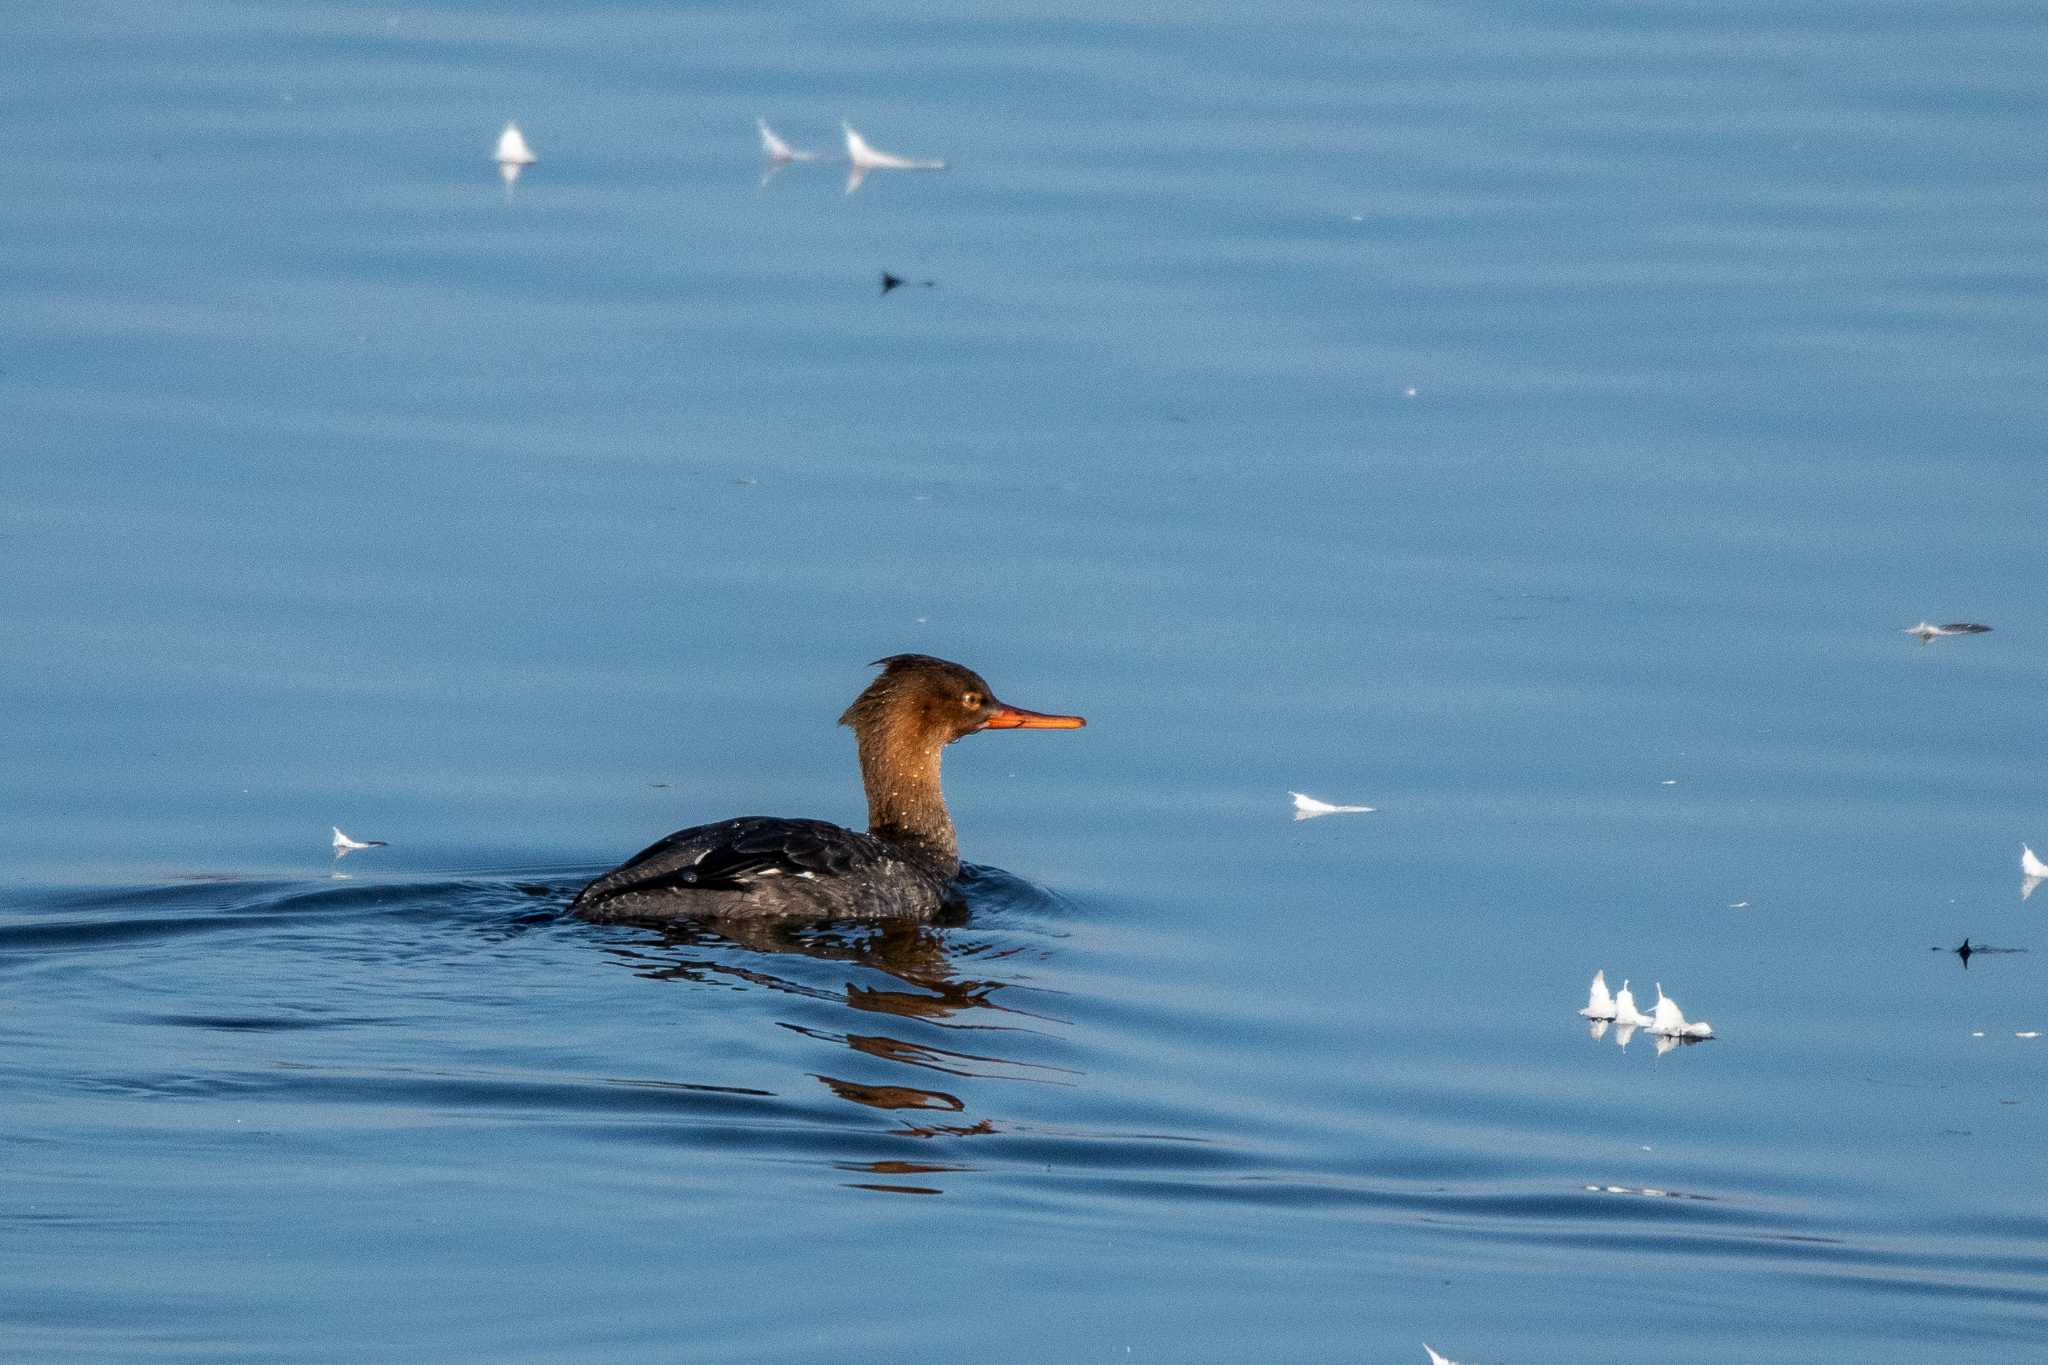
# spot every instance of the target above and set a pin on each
(934, 700)
(903, 721)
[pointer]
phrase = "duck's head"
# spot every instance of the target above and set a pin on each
(921, 701)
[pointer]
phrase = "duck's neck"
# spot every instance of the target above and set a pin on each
(900, 770)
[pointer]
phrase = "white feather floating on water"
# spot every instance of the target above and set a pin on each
(1308, 808)
(512, 146)
(863, 158)
(868, 159)
(1666, 1018)
(775, 149)
(1929, 632)
(1600, 1004)
(343, 845)
(1434, 1358)
(777, 156)
(512, 155)
(2031, 865)
(1670, 1022)
(1619, 1009)
(1625, 1011)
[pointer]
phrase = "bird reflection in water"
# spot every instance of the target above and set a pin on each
(892, 1096)
(917, 955)
(897, 1168)
(925, 988)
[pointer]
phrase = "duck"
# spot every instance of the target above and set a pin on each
(762, 867)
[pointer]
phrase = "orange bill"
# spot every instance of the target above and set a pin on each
(1003, 717)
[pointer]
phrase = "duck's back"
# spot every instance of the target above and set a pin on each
(765, 867)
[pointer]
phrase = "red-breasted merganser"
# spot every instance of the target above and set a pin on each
(761, 867)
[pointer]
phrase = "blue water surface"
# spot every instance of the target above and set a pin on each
(1537, 423)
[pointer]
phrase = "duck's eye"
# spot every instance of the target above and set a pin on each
(971, 700)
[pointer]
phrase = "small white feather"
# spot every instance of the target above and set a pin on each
(1308, 808)
(1625, 1012)
(1599, 1003)
(512, 148)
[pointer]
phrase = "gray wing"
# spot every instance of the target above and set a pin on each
(734, 855)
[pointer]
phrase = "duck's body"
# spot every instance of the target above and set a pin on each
(766, 867)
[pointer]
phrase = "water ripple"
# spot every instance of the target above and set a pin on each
(1038, 1055)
